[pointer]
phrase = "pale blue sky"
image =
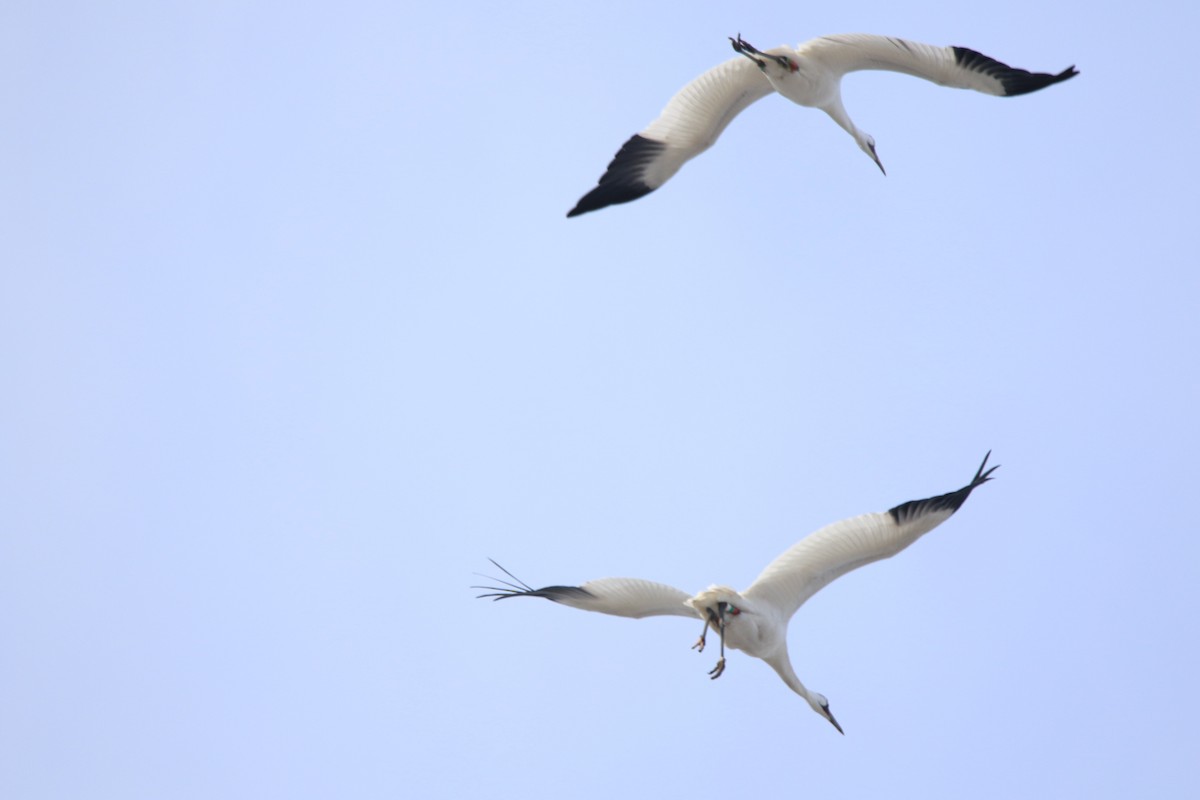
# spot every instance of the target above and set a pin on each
(295, 336)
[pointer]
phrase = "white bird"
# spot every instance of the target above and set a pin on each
(810, 75)
(755, 621)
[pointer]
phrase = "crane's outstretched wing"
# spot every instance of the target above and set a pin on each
(687, 127)
(957, 67)
(622, 597)
(821, 557)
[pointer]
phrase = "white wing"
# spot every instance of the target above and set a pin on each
(688, 126)
(810, 564)
(957, 67)
(622, 597)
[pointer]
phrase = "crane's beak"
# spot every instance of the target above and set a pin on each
(879, 164)
(829, 716)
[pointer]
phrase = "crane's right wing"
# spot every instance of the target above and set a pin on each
(688, 126)
(956, 67)
(622, 597)
(821, 557)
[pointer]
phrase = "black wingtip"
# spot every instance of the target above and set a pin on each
(980, 475)
(1015, 81)
(624, 180)
(556, 593)
(610, 195)
(951, 501)
(523, 589)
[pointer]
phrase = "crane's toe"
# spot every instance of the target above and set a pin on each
(742, 46)
(717, 671)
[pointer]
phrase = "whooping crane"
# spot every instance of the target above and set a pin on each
(755, 621)
(810, 75)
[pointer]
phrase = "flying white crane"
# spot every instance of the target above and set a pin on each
(756, 620)
(810, 75)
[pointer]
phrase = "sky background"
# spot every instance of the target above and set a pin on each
(295, 336)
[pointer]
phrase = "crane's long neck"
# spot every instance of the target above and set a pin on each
(837, 112)
(865, 143)
(783, 665)
(780, 662)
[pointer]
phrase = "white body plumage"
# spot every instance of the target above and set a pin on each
(755, 621)
(809, 75)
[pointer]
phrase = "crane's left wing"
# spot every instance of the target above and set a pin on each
(957, 67)
(821, 557)
(688, 126)
(622, 597)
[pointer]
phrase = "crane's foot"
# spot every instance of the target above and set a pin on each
(699, 645)
(744, 47)
(718, 670)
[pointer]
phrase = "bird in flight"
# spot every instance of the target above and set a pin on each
(755, 621)
(810, 75)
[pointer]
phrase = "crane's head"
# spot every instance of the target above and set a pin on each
(821, 706)
(775, 63)
(867, 142)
